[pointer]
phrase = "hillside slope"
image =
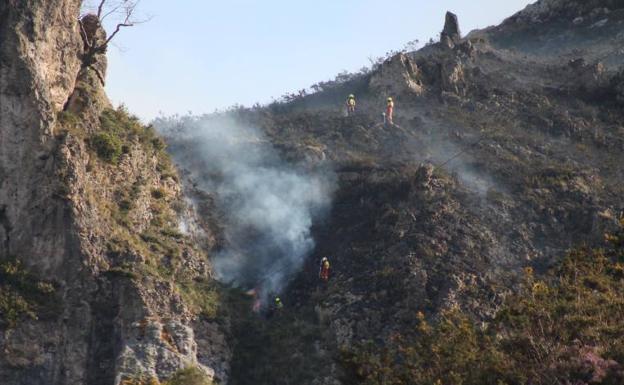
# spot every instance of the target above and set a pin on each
(506, 154)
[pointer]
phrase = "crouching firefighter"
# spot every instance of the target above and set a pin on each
(278, 306)
(324, 271)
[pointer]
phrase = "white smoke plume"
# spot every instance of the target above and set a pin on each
(269, 205)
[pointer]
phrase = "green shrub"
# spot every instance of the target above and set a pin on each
(119, 130)
(107, 145)
(189, 376)
(201, 296)
(158, 193)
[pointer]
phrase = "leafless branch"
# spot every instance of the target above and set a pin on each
(129, 21)
(100, 9)
(112, 11)
(116, 31)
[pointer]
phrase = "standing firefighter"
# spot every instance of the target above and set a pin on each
(389, 111)
(351, 105)
(324, 271)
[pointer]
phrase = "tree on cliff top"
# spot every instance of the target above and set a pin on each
(121, 13)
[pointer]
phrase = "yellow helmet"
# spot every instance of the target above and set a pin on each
(351, 96)
(277, 299)
(389, 99)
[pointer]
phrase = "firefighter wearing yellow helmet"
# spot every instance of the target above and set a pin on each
(351, 105)
(278, 304)
(324, 271)
(389, 111)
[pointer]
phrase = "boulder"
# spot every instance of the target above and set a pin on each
(397, 76)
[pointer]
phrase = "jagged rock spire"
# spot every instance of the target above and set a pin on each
(451, 27)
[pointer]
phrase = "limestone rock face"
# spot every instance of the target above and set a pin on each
(55, 218)
(40, 50)
(39, 60)
(44, 35)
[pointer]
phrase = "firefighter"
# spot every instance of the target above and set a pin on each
(351, 105)
(389, 111)
(324, 271)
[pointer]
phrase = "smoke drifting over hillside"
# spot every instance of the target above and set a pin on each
(269, 205)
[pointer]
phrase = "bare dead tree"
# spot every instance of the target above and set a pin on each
(125, 14)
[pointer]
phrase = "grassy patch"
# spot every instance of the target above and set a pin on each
(121, 271)
(23, 295)
(202, 297)
(142, 380)
(187, 376)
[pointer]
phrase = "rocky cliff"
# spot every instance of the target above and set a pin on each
(99, 285)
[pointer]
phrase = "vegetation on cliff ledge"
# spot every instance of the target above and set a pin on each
(188, 376)
(118, 130)
(23, 295)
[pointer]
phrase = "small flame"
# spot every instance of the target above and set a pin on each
(257, 301)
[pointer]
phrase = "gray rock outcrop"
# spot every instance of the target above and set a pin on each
(397, 76)
(451, 30)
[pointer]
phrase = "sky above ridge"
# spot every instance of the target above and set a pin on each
(201, 55)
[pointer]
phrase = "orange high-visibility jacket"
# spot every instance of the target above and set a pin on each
(324, 273)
